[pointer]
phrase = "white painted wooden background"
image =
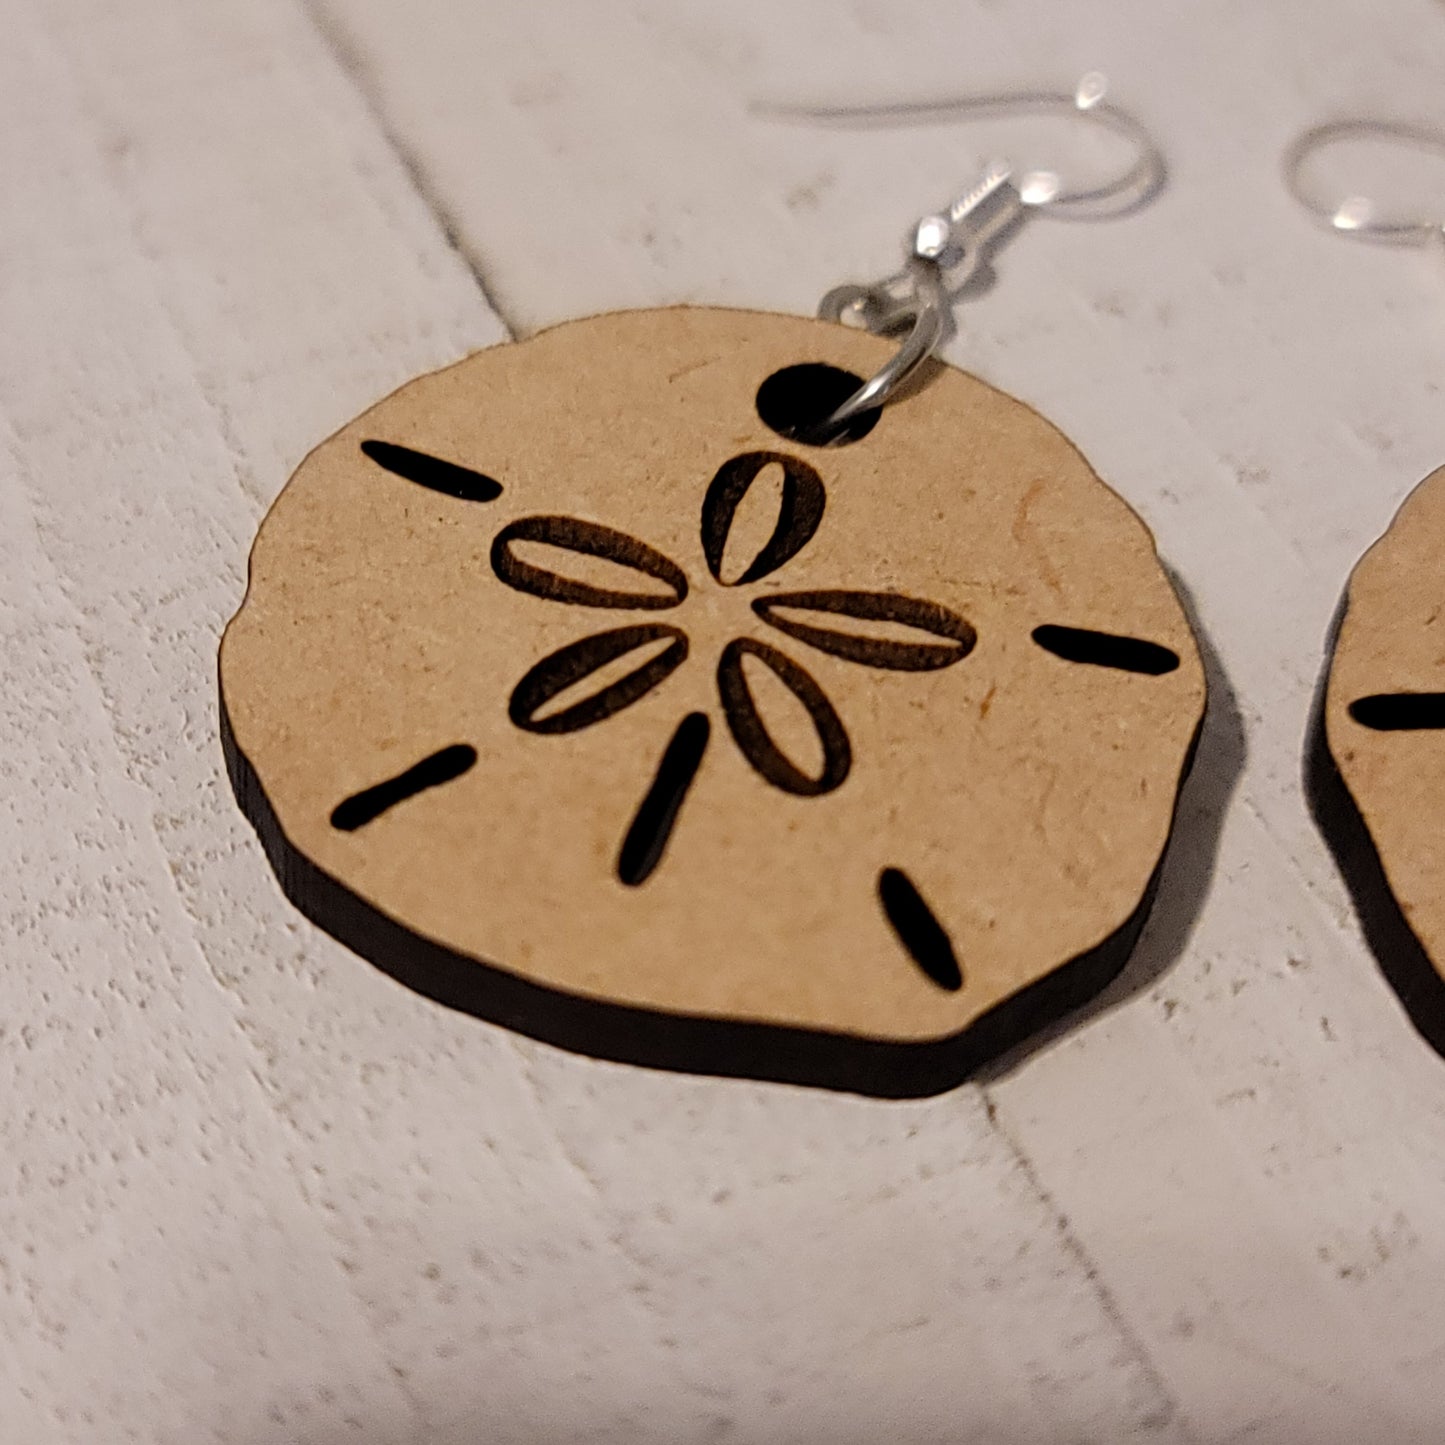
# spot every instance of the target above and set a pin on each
(253, 1191)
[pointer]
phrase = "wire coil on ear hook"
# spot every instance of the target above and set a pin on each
(946, 247)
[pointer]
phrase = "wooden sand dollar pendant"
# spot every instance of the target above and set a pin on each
(573, 695)
(1379, 760)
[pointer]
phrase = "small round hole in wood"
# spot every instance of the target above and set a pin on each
(793, 401)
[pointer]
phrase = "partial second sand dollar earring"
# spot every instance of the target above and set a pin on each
(1383, 725)
(682, 687)
(1376, 763)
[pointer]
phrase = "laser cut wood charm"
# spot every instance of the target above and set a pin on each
(573, 695)
(1384, 727)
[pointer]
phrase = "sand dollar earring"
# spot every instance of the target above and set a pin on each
(694, 687)
(1377, 756)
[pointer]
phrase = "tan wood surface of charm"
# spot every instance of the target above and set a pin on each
(562, 660)
(1385, 707)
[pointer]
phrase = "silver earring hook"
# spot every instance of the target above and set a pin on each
(947, 247)
(1041, 190)
(1353, 214)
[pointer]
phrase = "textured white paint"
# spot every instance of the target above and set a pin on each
(252, 1190)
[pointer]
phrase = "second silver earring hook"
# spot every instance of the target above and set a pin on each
(1353, 213)
(946, 247)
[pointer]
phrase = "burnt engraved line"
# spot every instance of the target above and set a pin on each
(432, 472)
(1392, 712)
(443, 766)
(918, 929)
(590, 539)
(895, 654)
(751, 733)
(578, 660)
(800, 511)
(1106, 649)
(653, 822)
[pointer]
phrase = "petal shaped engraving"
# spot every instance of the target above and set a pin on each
(579, 660)
(751, 734)
(591, 539)
(949, 637)
(799, 514)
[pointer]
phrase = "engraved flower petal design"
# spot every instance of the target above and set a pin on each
(888, 631)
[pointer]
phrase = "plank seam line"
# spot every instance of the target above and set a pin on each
(629, 1262)
(270, 1097)
(132, 769)
(348, 57)
(1167, 1409)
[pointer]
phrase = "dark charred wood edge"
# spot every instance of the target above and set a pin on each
(1400, 954)
(676, 1042)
